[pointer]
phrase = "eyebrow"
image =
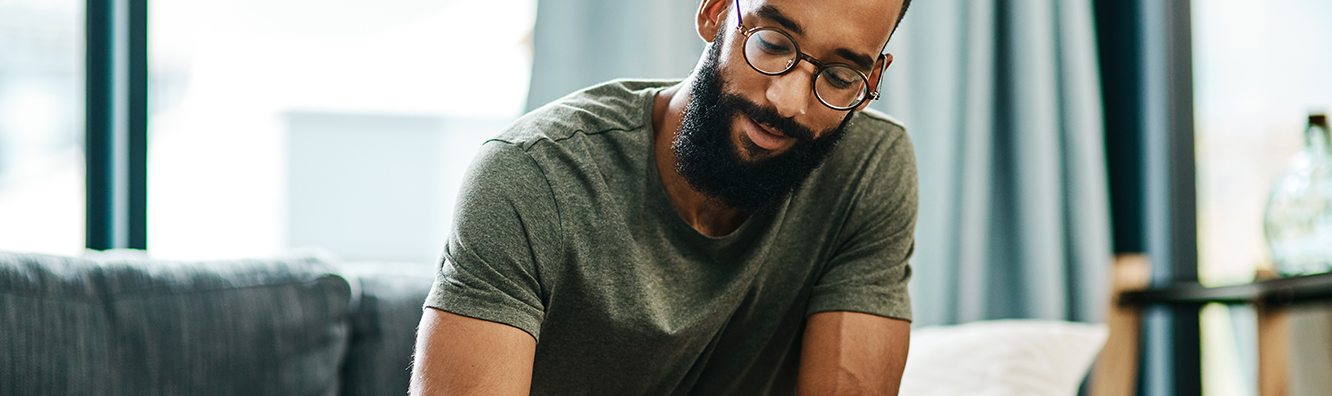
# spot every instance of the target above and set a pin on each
(861, 60)
(773, 14)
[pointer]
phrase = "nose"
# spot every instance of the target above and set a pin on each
(790, 93)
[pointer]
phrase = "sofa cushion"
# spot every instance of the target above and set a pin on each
(138, 327)
(384, 328)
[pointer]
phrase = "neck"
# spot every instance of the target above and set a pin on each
(707, 216)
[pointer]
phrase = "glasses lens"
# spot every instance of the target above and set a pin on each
(840, 86)
(770, 51)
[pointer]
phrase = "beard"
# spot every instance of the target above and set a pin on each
(707, 158)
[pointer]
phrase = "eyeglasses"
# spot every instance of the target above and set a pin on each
(773, 52)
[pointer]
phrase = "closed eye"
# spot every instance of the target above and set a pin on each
(774, 48)
(838, 79)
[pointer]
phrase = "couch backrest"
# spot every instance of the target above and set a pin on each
(384, 327)
(251, 327)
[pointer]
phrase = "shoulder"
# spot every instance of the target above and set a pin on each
(878, 129)
(872, 170)
(615, 105)
(569, 139)
(874, 142)
(503, 170)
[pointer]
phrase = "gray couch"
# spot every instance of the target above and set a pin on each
(290, 326)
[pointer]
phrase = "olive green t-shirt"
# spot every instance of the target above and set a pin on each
(564, 230)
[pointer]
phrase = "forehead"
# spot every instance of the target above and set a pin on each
(859, 25)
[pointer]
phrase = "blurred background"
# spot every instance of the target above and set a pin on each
(272, 124)
(346, 125)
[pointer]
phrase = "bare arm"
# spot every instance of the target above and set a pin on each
(458, 355)
(848, 353)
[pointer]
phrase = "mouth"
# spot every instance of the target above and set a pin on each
(765, 136)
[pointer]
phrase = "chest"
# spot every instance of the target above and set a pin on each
(657, 318)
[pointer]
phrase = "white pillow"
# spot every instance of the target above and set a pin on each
(1001, 357)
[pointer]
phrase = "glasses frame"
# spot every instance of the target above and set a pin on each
(801, 55)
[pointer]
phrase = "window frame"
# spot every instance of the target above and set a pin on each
(116, 123)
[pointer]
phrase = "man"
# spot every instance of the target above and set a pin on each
(743, 232)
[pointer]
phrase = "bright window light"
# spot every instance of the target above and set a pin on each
(296, 123)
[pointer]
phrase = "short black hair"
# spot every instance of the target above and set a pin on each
(905, 4)
(900, 15)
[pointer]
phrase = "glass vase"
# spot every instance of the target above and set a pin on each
(1298, 219)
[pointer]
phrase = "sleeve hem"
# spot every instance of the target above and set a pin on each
(887, 306)
(525, 319)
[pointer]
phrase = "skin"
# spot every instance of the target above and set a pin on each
(458, 355)
(843, 353)
(854, 25)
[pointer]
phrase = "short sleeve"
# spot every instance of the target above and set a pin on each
(504, 229)
(868, 271)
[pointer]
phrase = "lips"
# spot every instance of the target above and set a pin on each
(765, 137)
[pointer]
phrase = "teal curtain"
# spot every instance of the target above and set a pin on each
(579, 43)
(1002, 101)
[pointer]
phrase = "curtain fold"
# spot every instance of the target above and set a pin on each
(1002, 100)
(1003, 104)
(579, 43)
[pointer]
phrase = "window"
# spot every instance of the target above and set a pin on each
(1260, 67)
(341, 125)
(41, 126)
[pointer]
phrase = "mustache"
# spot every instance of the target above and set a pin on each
(767, 116)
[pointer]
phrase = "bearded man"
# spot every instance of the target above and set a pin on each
(744, 231)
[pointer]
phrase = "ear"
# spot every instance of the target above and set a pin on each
(711, 17)
(876, 77)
